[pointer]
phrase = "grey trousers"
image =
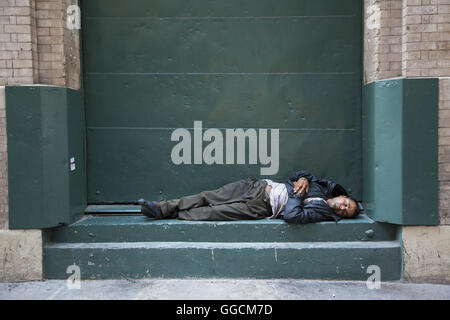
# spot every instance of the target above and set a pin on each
(241, 200)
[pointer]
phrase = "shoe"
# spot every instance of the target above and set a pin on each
(150, 209)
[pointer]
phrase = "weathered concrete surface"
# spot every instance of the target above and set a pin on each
(427, 254)
(220, 289)
(20, 255)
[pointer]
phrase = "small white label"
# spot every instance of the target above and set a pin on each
(72, 160)
(72, 167)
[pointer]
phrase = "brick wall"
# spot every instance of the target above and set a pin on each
(58, 47)
(16, 42)
(50, 42)
(408, 38)
(426, 38)
(72, 61)
(382, 39)
(35, 45)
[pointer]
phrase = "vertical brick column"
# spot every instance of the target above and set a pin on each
(72, 61)
(58, 47)
(35, 45)
(382, 39)
(426, 36)
(50, 42)
(17, 39)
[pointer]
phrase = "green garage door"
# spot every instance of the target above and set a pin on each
(153, 66)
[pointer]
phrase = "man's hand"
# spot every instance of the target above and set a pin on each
(301, 186)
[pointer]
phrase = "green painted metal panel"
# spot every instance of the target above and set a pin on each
(316, 260)
(153, 66)
(137, 228)
(246, 45)
(400, 151)
(224, 101)
(219, 8)
(76, 139)
(45, 129)
(420, 150)
(25, 175)
(382, 123)
(129, 163)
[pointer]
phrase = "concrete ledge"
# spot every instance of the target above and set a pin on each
(20, 255)
(427, 254)
(137, 228)
(312, 260)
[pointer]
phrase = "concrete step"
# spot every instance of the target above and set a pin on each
(297, 260)
(137, 228)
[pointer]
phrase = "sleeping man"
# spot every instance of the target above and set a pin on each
(303, 198)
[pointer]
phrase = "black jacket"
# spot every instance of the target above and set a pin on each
(315, 211)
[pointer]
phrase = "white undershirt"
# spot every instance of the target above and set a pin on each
(278, 197)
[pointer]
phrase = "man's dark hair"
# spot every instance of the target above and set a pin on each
(358, 209)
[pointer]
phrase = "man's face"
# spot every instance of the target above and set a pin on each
(343, 206)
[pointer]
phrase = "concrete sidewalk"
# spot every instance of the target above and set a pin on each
(221, 289)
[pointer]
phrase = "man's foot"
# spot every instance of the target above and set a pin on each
(150, 209)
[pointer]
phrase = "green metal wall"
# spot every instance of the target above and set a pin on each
(400, 151)
(151, 66)
(45, 128)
